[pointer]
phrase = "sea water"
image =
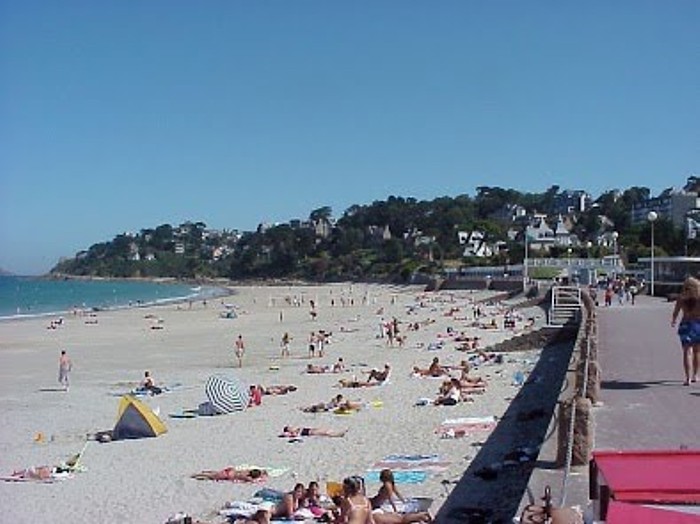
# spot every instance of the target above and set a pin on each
(31, 296)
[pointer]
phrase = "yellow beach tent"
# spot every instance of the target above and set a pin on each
(136, 420)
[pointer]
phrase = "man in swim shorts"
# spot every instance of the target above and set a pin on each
(688, 303)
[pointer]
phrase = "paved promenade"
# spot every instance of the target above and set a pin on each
(645, 404)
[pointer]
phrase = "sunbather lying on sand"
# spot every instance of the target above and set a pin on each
(233, 474)
(379, 375)
(337, 402)
(434, 370)
(278, 390)
(338, 367)
(467, 381)
(292, 432)
(315, 369)
(35, 473)
(375, 378)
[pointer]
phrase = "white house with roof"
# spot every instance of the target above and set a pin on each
(475, 244)
(542, 236)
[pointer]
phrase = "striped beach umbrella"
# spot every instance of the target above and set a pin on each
(226, 394)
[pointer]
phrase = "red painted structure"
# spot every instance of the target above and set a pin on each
(625, 483)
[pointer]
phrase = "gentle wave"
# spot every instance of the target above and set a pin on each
(28, 297)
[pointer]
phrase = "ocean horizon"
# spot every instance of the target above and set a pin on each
(29, 296)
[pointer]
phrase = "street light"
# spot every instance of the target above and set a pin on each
(615, 234)
(525, 272)
(651, 217)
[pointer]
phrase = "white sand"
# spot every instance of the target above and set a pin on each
(148, 480)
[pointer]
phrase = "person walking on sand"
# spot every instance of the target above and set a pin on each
(239, 350)
(312, 345)
(64, 368)
(688, 302)
(285, 344)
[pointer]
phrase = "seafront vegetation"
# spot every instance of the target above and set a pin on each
(394, 239)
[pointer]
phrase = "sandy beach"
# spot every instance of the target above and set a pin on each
(148, 480)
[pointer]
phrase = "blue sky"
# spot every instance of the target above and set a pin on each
(121, 115)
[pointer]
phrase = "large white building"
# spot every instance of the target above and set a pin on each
(672, 204)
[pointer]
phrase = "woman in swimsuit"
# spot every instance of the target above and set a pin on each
(389, 494)
(291, 432)
(355, 507)
(290, 503)
(688, 302)
(233, 474)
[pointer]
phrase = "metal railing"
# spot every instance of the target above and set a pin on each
(565, 305)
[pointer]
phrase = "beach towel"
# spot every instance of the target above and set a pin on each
(461, 427)
(400, 477)
(185, 413)
(409, 505)
(408, 468)
(404, 462)
(244, 509)
(408, 465)
(414, 458)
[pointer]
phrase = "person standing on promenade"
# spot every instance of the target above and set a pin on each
(239, 350)
(64, 368)
(688, 302)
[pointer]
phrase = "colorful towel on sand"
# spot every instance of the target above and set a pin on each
(408, 469)
(408, 465)
(461, 427)
(400, 477)
(411, 462)
(413, 458)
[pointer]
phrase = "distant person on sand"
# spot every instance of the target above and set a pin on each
(434, 370)
(239, 350)
(233, 474)
(312, 345)
(286, 339)
(293, 432)
(384, 509)
(688, 302)
(148, 384)
(379, 376)
(64, 368)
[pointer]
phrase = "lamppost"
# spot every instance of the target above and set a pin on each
(525, 272)
(651, 217)
(615, 234)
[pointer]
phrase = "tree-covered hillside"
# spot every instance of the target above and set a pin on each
(389, 239)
